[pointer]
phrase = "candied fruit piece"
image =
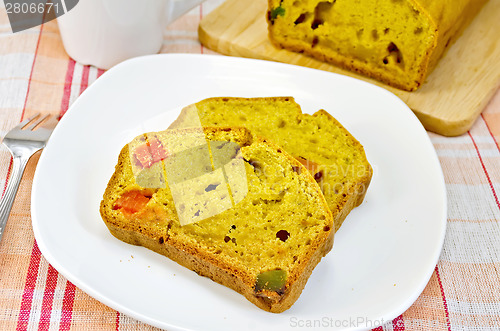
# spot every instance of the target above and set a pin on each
(272, 280)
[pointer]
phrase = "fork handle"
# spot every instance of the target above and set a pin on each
(18, 165)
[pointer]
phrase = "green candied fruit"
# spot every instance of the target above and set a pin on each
(278, 11)
(272, 280)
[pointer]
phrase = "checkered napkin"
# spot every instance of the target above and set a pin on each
(36, 75)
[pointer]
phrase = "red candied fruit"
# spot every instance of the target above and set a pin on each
(149, 153)
(131, 202)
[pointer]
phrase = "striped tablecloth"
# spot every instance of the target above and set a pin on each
(36, 75)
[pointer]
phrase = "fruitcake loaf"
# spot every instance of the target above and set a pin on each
(398, 42)
(231, 207)
(336, 160)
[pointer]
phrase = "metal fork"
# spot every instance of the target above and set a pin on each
(23, 141)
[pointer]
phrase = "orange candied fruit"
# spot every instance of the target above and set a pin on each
(132, 202)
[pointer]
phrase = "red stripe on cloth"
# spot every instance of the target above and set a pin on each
(7, 178)
(378, 329)
(447, 313)
(398, 324)
(117, 321)
(485, 171)
(69, 292)
(491, 133)
(67, 307)
(67, 87)
(29, 289)
(85, 79)
(100, 72)
(48, 298)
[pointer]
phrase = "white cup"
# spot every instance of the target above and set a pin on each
(105, 32)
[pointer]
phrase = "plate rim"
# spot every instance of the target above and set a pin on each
(46, 252)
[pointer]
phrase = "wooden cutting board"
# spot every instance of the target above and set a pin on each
(448, 103)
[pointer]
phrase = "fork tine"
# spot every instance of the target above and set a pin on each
(36, 122)
(26, 121)
(50, 122)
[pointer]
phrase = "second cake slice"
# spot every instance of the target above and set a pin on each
(335, 159)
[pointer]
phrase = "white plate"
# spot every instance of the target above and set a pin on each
(383, 256)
